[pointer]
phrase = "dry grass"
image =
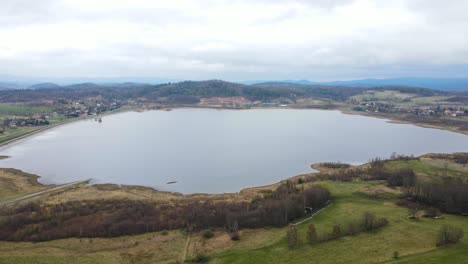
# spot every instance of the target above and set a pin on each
(14, 183)
(146, 248)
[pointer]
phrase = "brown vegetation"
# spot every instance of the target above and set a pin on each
(110, 218)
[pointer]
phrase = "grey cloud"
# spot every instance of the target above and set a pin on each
(433, 45)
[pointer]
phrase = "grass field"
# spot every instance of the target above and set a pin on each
(412, 239)
(19, 109)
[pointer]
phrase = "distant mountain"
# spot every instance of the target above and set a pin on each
(305, 82)
(82, 86)
(44, 86)
(443, 84)
(9, 86)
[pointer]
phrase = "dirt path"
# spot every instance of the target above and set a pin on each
(184, 253)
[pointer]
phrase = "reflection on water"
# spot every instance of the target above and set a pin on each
(215, 151)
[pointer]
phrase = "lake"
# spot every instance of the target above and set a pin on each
(215, 151)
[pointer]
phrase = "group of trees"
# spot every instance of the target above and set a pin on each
(449, 235)
(375, 171)
(110, 218)
(450, 195)
(367, 222)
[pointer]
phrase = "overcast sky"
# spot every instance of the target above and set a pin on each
(234, 40)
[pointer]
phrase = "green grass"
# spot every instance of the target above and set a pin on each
(406, 236)
(429, 168)
(18, 109)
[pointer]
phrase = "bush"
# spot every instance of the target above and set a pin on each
(200, 258)
(396, 254)
(235, 236)
(431, 212)
(449, 235)
(353, 228)
(292, 236)
(312, 234)
(336, 232)
(208, 234)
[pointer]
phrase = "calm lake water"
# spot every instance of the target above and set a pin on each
(215, 151)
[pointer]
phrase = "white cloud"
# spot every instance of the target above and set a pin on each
(231, 39)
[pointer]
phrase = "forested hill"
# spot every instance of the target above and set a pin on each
(192, 91)
(443, 84)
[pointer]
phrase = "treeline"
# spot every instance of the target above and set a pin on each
(96, 218)
(375, 171)
(189, 92)
(459, 157)
(450, 194)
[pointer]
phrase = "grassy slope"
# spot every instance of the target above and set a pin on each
(14, 183)
(405, 236)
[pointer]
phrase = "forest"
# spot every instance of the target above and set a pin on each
(111, 218)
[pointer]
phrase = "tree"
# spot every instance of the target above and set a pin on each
(312, 236)
(292, 236)
(368, 221)
(449, 235)
(336, 232)
(413, 212)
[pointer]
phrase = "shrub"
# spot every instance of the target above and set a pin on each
(336, 232)
(200, 258)
(396, 254)
(353, 228)
(431, 212)
(235, 236)
(208, 234)
(292, 236)
(312, 234)
(448, 235)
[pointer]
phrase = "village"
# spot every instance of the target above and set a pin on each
(63, 110)
(436, 111)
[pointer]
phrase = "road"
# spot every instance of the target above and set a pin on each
(307, 219)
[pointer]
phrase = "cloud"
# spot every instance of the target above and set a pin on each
(233, 39)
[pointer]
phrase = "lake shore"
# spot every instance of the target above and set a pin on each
(40, 130)
(344, 110)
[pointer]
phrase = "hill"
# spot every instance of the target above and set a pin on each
(443, 84)
(44, 86)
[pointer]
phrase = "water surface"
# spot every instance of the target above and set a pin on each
(215, 151)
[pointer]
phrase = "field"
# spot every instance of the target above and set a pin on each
(414, 240)
(20, 109)
(408, 237)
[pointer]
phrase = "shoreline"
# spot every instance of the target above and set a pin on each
(244, 190)
(388, 119)
(19, 139)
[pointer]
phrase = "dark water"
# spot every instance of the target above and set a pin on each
(216, 151)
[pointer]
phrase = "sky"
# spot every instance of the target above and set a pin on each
(234, 40)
